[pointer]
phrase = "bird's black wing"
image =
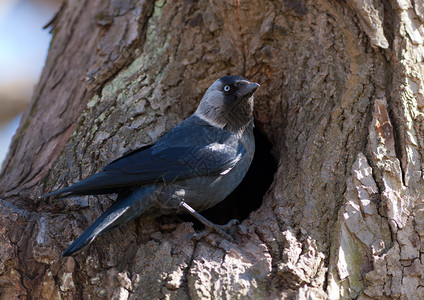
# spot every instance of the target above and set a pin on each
(166, 164)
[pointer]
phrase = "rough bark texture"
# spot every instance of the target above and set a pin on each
(342, 101)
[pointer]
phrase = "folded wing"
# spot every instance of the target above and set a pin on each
(150, 165)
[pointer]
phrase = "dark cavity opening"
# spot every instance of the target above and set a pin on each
(248, 196)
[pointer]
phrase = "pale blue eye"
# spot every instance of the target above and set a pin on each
(227, 88)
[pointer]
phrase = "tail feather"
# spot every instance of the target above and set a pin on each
(96, 184)
(127, 207)
(108, 219)
(63, 192)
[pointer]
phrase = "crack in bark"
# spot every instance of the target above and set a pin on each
(187, 270)
(242, 37)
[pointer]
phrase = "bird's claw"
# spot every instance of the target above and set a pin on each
(198, 235)
(229, 224)
(220, 229)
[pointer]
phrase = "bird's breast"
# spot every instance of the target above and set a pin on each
(203, 192)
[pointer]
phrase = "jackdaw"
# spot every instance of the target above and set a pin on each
(191, 168)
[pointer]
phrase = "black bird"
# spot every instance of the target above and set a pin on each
(191, 168)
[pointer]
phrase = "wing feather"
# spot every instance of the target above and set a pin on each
(151, 166)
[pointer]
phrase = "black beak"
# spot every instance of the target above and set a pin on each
(248, 90)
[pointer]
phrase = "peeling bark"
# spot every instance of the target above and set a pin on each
(342, 101)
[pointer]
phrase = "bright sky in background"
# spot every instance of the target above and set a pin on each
(23, 42)
(23, 48)
(6, 133)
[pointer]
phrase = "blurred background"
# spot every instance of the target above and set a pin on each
(23, 50)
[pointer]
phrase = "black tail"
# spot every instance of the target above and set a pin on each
(126, 208)
(63, 192)
(96, 184)
(107, 221)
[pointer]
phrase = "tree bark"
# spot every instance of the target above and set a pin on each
(341, 99)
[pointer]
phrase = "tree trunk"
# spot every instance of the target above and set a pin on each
(341, 100)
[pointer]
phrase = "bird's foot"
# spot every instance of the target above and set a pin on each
(229, 224)
(209, 226)
(220, 229)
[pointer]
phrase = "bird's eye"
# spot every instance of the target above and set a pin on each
(227, 88)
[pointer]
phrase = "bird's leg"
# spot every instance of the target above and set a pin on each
(209, 225)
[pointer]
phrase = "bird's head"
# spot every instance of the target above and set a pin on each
(228, 103)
